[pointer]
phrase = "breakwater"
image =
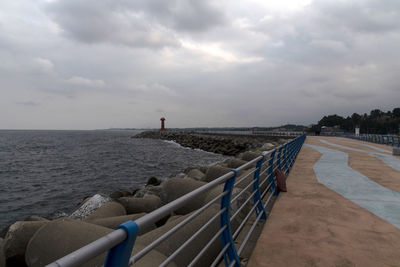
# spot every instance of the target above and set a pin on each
(226, 144)
(99, 214)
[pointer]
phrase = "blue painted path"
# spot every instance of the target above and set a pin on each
(333, 171)
(392, 161)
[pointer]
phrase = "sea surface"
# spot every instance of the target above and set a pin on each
(48, 173)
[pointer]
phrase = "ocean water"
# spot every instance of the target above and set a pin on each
(48, 173)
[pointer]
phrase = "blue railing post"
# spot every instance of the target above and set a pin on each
(121, 253)
(270, 174)
(226, 236)
(256, 189)
(278, 161)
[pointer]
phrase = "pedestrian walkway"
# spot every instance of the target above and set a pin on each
(342, 208)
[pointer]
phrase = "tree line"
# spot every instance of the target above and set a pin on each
(376, 122)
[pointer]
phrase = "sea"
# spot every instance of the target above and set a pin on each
(48, 173)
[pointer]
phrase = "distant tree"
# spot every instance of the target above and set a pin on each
(376, 113)
(355, 119)
(331, 120)
(396, 113)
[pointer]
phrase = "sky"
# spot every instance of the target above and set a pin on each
(95, 64)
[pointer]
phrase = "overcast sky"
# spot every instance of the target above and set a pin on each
(90, 64)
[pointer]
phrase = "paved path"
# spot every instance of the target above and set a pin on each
(342, 208)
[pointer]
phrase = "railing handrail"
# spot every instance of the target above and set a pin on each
(285, 157)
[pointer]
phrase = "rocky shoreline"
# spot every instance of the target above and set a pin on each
(38, 241)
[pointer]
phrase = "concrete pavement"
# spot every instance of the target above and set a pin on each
(342, 208)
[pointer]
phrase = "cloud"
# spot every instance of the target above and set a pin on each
(81, 81)
(28, 103)
(150, 23)
(44, 65)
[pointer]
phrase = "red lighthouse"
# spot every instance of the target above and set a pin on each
(162, 124)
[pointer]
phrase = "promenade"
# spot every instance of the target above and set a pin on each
(342, 208)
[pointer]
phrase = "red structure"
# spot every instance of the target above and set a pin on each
(162, 124)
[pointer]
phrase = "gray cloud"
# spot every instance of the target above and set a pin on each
(136, 23)
(210, 63)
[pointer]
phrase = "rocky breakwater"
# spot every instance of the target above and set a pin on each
(225, 144)
(38, 241)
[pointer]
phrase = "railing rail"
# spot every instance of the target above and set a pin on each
(391, 140)
(260, 189)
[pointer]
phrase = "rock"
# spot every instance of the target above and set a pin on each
(116, 195)
(149, 190)
(126, 193)
(61, 237)
(249, 155)
(35, 218)
(267, 146)
(109, 209)
(138, 205)
(203, 169)
(2, 256)
(234, 163)
(153, 181)
(195, 174)
(89, 206)
(214, 172)
(151, 259)
(17, 239)
(114, 222)
(178, 238)
(180, 175)
(174, 188)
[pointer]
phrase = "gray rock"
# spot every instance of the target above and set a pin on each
(114, 222)
(249, 155)
(149, 190)
(267, 146)
(35, 218)
(137, 205)
(214, 172)
(89, 206)
(195, 174)
(109, 209)
(17, 239)
(234, 163)
(116, 195)
(61, 237)
(174, 188)
(153, 181)
(178, 238)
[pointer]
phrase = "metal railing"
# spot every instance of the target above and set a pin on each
(391, 140)
(239, 206)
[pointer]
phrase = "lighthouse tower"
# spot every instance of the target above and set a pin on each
(162, 124)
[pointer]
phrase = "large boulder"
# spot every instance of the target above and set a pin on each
(153, 181)
(149, 190)
(171, 244)
(89, 206)
(234, 163)
(17, 239)
(214, 172)
(109, 209)
(61, 237)
(114, 222)
(137, 205)
(195, 174)
(174, 188)
(35, 218)
(249, 155)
